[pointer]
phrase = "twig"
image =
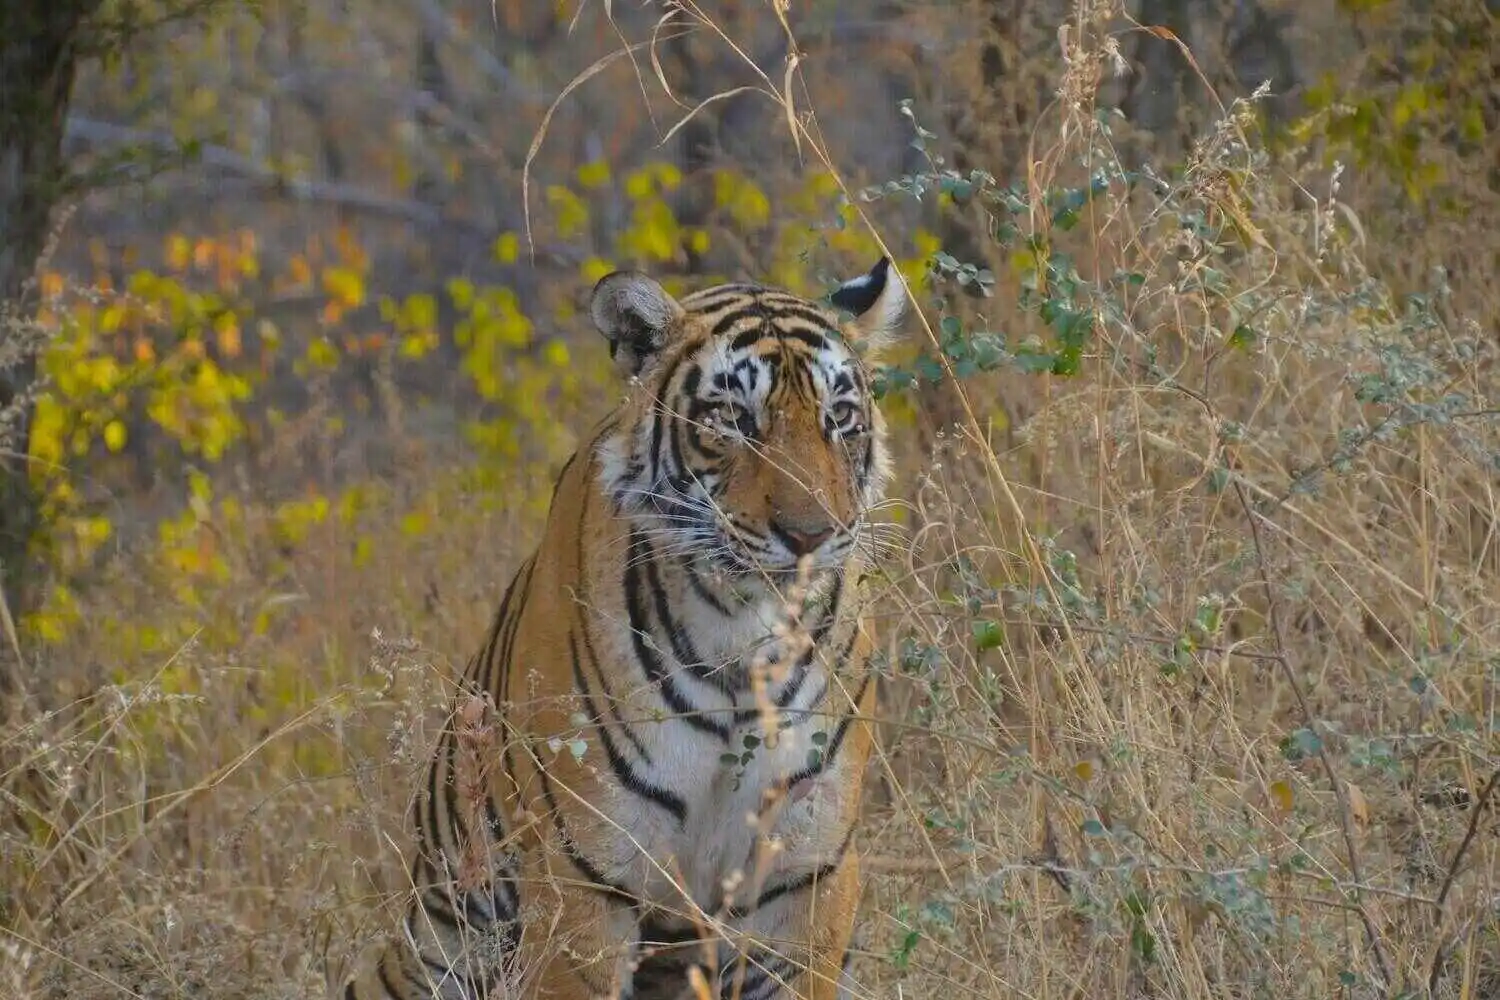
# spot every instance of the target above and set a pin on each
(88, 131)
(17, 680)
(1283, 661)
(1278, 636)
(440, 21)
(1438, 960)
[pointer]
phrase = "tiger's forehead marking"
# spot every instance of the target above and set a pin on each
(746, 323)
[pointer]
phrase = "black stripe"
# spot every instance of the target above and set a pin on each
(701, 589)
(712, 298)
(439, 907)
(793, 685)
(437, 782)
(768, 331)
(726, 322)
(659, 414)
(611, 702)
(442, 971)
(581, 627)
(482, 666)
(492, 814)
(507, 618)
(587, 868)
(385, 981)
(835, 670)
(819, 874)
(679, 459)
(816, 341)
(503, 883)
(766, 974)
(507, 647)
(627, 776)
(640, 627)
(456, 824)
(677, 637)
(828, 756)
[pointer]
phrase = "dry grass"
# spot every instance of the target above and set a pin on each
(1239, 739)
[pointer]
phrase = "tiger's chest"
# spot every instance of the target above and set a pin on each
(704, 801)
(743, 827)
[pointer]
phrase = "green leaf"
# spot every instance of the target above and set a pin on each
(1067, 361)
(1302, 743)
(1034, 362)
(987, 634)
(1142, 942)
(1243, 338)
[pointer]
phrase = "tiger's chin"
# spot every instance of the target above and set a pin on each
(742, 570)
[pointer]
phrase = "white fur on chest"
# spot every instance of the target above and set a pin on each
(723, 785)
(716, 849)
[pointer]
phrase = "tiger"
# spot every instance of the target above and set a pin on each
(676, 745)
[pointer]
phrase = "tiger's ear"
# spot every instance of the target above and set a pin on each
(878, 300)
(636, 316)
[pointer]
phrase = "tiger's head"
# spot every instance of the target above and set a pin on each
(750, 435)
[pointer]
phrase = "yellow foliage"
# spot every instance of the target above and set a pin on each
(593, 269)
(572, 213)
(508, 247)
(227, 334)
(179, 252)
(746, 204)
(657, 175)
(322, 354)
(461, 291)
(654, 234)
(345, 286)
(58, 613)
(294, 519)
(494, 328)
(420, 312)
(593, 175)
(176, 349)
(416, 345)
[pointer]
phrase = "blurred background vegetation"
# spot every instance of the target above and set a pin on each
(1193, 654)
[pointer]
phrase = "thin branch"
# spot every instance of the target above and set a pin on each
(91, 132)
(82, 131)
(1458, 855)
(440, 21)
(1283, 660)
(1341, 796)
(1439, 959)
(18, 695)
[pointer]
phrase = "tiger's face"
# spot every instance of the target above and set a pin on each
(751, 437)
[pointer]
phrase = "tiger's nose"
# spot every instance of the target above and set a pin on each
(801, 541)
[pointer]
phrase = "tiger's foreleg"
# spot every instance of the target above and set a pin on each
(580, 940)
(454, 943)
(802, 952)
